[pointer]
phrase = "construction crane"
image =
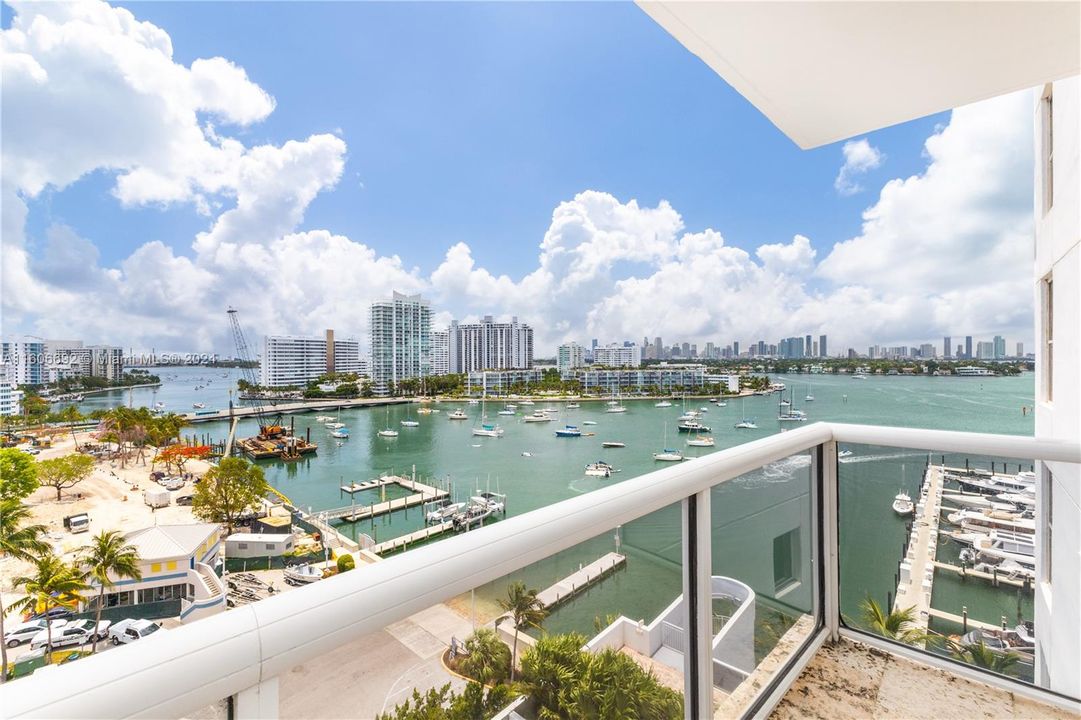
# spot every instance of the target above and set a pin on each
(268, 427)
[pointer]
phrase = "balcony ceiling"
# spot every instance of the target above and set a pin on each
(826, 71)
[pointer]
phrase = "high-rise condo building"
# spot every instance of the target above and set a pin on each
(947, 349)
(1020, 350)
(490, 345)
(985, 350)
(570, 356)
(296, 360)
(927, 351)
(822, 352)
(968, 347)
(1000, 347)
(401, 336)
(807, 346)
(735, 349)
(440, 352)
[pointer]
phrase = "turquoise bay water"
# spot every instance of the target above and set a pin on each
(748, 513)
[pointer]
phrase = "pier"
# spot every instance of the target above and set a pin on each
(965, 622)
(993, 578)
(917, 569)
(289, 408)
(351, 513)
(581, 579)
(400, 543)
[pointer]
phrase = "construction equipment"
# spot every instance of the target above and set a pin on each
(274, 439)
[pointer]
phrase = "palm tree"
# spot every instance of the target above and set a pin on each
(107, 556)
(21, 541)
(71, 415)
(487, 657)
(54, 584)
(525, 610)
(899, 625)
(980, 655)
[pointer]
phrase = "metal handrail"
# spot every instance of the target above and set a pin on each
(179, 671)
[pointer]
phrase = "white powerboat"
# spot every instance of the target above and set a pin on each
(198, 406)
(341, 433)
(662, 404)
(410, 423)
(902, 504)
(569, 431)
(442, 510)
(613, 444)
(302, 574)
(599, 469)
(589, 422)
(701, 442)
(537, 416)
(457, 415)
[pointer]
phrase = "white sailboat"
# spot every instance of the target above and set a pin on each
(618, 406)
(387, 432)
(667, 454)
(810, 397)
(745, 423)
(902, 502)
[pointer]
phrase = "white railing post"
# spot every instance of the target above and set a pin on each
(827, 453)
(698, 595)
(258, 702)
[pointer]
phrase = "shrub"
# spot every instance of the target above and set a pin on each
(346, 563)
(487, 659)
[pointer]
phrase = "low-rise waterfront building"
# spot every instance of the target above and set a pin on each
(501, 382)
(258, 545)
(178, 578)
(663, 378)
(296, 360)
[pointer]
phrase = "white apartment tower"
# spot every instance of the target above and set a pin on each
(401, 330)
(440, 352)
(571, 355)
(296, 360)
(1058, 382)
(490, 345)
(618, 356)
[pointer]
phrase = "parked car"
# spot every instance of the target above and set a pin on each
(55, 613)
(25, 631)
(79, 632)
(130, 630)
(185, 499)
(172, 483)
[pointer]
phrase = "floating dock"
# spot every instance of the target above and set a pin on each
(288, 408)
(401, 543)
(917, 569)
(993, 578)
(581, 579)
(352, 513)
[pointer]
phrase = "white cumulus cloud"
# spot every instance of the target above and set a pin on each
(860, 157)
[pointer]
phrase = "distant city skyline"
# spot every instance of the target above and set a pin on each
(229, 178)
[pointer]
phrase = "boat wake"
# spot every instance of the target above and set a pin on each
(883, 456)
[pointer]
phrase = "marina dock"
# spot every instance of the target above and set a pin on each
(352, 513)
(993, 578)
(400, 543)
(288, 408)
(581, 579)
(917, 569)
(964, 622)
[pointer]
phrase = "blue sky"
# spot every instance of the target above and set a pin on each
(470, 123)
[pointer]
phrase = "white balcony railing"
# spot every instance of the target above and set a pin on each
(241, 653)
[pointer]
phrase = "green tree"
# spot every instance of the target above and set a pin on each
(899, 625)
(525, 610)
(17, 540)
(552, 666)
(71, 415)
(228, 491)
(487, 659)
(109, 556)
(474, 703)
(65, 472)
(54, 584)
(18, 474)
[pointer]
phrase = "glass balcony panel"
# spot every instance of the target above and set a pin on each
(601, 600)
(939, 551)
(764, 581)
